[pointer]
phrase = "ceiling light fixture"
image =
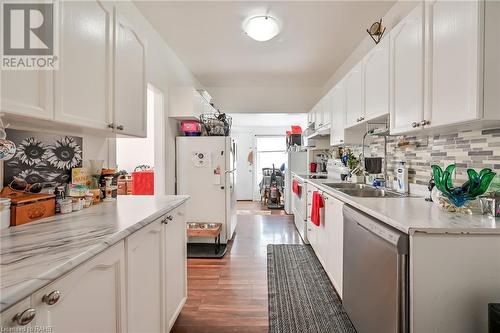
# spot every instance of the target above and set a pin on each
(262, 28)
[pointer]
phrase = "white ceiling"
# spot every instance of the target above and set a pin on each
(316, 38)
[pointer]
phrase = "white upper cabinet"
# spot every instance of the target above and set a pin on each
(376, 80)
(453, 58)
(337, 97)
(407, 72)
(27, 93)
(354, 96)
(129, 79)
(327, 109)
(82, 83)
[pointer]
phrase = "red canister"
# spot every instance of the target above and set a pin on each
(312, 167)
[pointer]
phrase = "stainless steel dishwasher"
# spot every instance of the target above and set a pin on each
(375, 290)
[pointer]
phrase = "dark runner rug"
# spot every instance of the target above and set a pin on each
(301, 296)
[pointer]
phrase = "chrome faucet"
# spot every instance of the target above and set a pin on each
(376, 132)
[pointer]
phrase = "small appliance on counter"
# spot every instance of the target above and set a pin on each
(336, 169)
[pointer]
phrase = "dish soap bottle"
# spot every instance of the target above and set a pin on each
(402, 177)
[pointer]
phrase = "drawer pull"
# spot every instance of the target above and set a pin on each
(52, 298)
(25, 317)
(120, 127)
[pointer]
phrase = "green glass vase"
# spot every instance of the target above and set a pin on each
(477, 184)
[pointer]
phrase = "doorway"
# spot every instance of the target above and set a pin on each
(148, 152)
(268, 151)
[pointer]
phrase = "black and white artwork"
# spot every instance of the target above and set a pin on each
(42, 157)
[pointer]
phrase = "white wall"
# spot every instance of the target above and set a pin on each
(163, 70)
(131, 152)
(393, 16)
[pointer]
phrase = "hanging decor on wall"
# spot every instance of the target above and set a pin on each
(376, 31)
(43, 158)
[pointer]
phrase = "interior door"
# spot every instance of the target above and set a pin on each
(245, 165)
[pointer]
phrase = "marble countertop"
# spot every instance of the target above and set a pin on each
(413, 214)
(35, 254)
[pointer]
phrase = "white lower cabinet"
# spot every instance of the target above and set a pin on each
(156, 274)
(90, 298)
(137, 285)
(175, 265)
(145, 267)
(334, 230)
(18, 318)
(327, 239)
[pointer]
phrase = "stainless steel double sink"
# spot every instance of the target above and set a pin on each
(363, 190)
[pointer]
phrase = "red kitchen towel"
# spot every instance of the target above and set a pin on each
(317, 204)
(295, 187)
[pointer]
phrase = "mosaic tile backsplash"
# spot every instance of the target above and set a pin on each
(468, 149)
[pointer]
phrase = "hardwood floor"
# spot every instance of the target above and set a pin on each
(230, 294)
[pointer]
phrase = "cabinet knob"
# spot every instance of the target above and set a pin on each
(120, 127)
(415, 124)
(52, 297)
(425, 122)
(25, 317)
(361, 118)
(112, 126)
(341, 140)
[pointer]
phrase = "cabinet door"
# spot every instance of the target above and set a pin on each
(334, 226)
(338, 114)
(454, 61)
(310, 118)
(145, 279)
(320, 113)
(83, 87)
(129, 80)
(327, 109)
(354, 96)
(92, 296)
(407, 73)
(18, 318)
(176, 264)
(376, 80)
(28, 93)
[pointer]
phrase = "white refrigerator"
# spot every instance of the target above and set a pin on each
(206, 170)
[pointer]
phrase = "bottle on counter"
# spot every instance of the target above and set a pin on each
(402, 177)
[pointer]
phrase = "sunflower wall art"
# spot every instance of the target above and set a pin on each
(42, 157)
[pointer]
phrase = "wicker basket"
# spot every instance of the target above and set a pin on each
(216, 124)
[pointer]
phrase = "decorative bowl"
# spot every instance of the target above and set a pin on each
(477, 184)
